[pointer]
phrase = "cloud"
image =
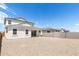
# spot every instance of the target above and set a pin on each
(6, 8)
(11, 11)
(77, 24)
(7, 12)
(1, 21)
(3, 6)
(2, 16)
(74, 28)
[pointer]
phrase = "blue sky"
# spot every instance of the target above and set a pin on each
(55, 15)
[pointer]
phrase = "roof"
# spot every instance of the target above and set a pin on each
(64, 30)
(49, 29)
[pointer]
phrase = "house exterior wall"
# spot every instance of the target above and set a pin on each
(21, 33)
(16, 22)
(20, 30)
(27, 24)
(38, 33)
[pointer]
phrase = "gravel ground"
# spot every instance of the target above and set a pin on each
(40, 46)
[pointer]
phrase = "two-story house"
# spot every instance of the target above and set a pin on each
(20, 28)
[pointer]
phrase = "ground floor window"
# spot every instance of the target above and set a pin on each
(14, 31)
(26, 31)
(33, 33)
(39, 31)
(48, 31)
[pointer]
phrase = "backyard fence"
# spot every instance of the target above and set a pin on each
(72, 35)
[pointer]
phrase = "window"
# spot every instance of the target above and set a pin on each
(48, 31)
(39, 31)
(14, 31)
(9, 21)
(57, 31)
(5, 21)
(26, 31)
(6, 29)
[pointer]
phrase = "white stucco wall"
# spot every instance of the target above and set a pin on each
(16, 22)
(27, 25)
(21, 33)
(39, 33)
(12, 23)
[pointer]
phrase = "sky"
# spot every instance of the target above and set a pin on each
(44, 15)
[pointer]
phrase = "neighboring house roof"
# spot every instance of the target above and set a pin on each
(49, 29)
(20, 20)
(64, 30)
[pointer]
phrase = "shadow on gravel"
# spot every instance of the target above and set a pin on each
(0, 42)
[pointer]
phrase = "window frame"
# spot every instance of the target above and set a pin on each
(14, 31)
(26, 31)
(9, 21)
(6, 29)
(48, 31)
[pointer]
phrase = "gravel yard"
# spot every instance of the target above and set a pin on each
(40, 46)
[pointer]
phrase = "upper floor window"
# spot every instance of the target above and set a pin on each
(26, 31)
(14, 31)
(9, 21)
